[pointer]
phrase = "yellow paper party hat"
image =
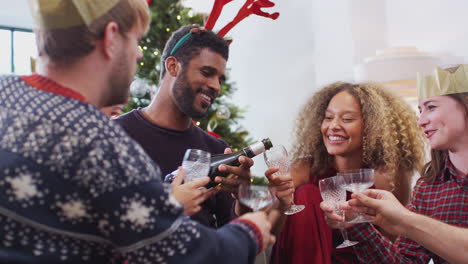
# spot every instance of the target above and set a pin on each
(443, 82)
(53, 14)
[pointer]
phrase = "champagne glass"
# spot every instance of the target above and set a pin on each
(196, 164)
(358, 181)
(278, 157)
(333, 193)
(254, 196)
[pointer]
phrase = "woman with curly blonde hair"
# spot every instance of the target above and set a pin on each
(343, 127)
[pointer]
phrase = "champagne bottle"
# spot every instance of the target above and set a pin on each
(231, 159)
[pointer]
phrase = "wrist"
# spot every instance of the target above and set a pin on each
(284, 203)
(409, 223)
(252, 229)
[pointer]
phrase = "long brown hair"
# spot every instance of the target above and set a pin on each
(434, 168)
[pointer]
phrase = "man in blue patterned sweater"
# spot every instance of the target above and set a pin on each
(75, 188)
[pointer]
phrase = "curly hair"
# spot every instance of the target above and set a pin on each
(392, 140)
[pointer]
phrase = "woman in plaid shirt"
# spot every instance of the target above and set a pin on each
(442, 191)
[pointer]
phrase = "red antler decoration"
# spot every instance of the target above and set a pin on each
(250, 7)
(215, 12)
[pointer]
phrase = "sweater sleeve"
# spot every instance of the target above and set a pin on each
(146, 225)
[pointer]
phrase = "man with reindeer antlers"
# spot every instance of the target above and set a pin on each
(193, 68)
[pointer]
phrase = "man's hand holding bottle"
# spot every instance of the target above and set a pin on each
(237, 174)
(227, 172)
(234, 167)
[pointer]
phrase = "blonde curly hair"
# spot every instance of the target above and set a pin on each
(392, 140)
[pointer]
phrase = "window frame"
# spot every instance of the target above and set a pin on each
(12, 43)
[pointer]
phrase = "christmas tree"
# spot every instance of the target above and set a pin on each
(223, 116)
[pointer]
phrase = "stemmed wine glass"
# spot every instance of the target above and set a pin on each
(254, 196)
(333, 193)
(278, 157)
(358, 181)
(196, 164)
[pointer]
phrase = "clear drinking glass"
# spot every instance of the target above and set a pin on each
(196, 164)
(333, 193)
(278, 157)
(358, 181)
(255, 197)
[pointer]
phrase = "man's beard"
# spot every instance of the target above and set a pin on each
(119, 82)
(184, 95)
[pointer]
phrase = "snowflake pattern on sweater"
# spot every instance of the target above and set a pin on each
(74, 188)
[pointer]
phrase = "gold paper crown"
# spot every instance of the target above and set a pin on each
(443, 82)
(53, 14)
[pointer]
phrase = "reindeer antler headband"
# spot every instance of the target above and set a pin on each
(250, 7)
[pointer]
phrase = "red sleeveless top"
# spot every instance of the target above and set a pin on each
(306, 237)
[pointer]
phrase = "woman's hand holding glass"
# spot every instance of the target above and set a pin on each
(353, 181)
(277, 157)
(283, 188)
(333, 194)
(382, 207)
(358, 181)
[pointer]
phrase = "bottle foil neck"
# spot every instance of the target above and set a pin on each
(257, 148)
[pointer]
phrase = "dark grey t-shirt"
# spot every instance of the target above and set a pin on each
(167, 148)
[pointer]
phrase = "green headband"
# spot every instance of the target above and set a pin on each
(183, 39)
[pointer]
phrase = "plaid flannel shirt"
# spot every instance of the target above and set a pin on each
(446, 200)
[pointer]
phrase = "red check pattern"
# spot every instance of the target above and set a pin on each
(446, 200)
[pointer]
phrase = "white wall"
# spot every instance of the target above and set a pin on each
(272, 63)
(15, 14)
(431, 25)
(333, 49)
